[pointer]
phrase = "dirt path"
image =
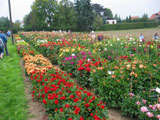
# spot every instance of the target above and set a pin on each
(36, 111)
(115, 114)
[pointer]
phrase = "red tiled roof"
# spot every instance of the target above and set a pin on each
(134, 17)
(154, 16)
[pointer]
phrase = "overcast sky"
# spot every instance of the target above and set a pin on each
(122, 7)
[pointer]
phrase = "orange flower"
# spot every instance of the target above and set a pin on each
(113, 76)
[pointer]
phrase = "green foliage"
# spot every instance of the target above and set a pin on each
(108, 12)
(84, 15)
(12, 96)
(65, 17)
(98, 22)
(129, 26)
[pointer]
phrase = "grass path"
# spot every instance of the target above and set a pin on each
(12, 97)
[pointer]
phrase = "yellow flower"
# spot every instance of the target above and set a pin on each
(67, 50)
(60, 54)
(73, 50)
(79, 48)
(151, 46)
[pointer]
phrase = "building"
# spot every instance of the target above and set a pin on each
(134, 17)
(155, 16)
(110, 20)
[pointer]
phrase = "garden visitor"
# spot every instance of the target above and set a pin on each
(141, 37)
(93, 36)
(8, 33)
(100, 37)
(155, 37)
(4, 39)
(1, 49)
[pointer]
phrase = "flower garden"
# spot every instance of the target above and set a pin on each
(122, 73)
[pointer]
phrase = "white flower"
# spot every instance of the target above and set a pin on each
(73, 54)
(110, 72)
(134, 42)
(63, 50)
(118, 39)
(110, 44)
(105, 48)
(89, 59)
(121, 43)
(99, 49)
(140, 45)
(140, 40)
(105, 44)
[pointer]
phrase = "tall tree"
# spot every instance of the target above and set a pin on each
(4, 22)
(65, 16)
(108, 12)
(85, 15)
(45, 10)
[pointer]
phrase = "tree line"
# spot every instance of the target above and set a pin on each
(79, 15)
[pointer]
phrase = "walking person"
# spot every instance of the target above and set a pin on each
(4, 39)
(156, 37)
(1, 49)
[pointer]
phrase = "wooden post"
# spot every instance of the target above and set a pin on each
(10, 14)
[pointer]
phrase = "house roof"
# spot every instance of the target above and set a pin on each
(154, 16)
(134, 17)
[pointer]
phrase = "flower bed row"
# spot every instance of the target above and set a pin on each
(112, 68)
(63, 100)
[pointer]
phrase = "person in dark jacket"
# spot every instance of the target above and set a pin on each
(4, 39)
(1, 49)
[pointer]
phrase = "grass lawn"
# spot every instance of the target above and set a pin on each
(12, 97)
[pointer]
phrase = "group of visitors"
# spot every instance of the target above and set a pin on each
(93, 36)
(3, 43)
(155, 37)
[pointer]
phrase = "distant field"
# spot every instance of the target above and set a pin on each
(148, 33)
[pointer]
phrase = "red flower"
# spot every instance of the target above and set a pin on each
(87, 105)
(67, 106)
(102, 106)
(76, 100)
(91, 114)
(56, 101)
(80, 68)
(56, 109)
(44, 101)
(88, 69)
(63, 98)
(71, 96)
(77, 110)
(81, 118)
(69, 118)
(61, 109)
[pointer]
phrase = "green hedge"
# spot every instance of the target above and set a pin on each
(124, 26)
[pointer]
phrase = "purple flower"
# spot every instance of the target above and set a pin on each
(72, 62)
(109, 57)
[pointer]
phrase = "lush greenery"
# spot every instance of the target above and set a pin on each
(12, 96)
(122, 71)
(124, 26)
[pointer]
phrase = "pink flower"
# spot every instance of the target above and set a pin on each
(138, 103)
(149, 114)
(158, 106)
(144, 101)
(150, 106)
(131, 94)
(144, 109)
(158, 116)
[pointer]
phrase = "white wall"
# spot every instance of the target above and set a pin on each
(111, 21)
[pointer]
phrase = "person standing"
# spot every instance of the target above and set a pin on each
(155, 37)
(141, 37)
(1, 49)
(4, 39)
